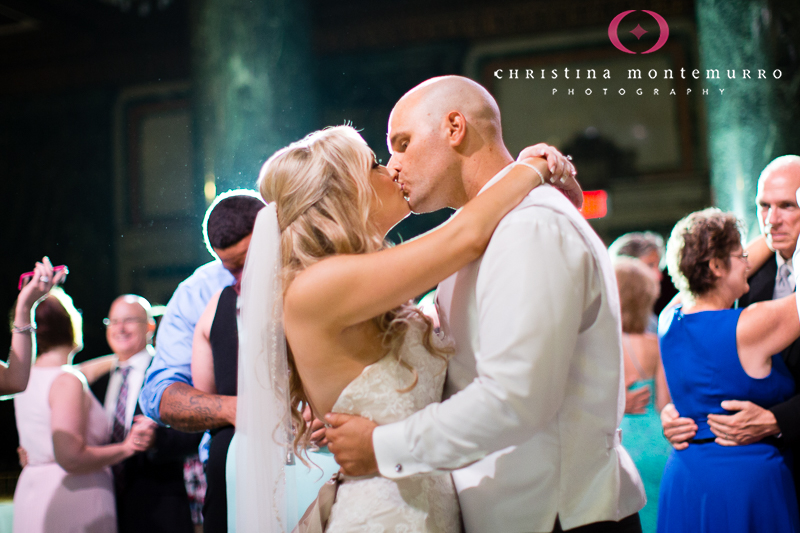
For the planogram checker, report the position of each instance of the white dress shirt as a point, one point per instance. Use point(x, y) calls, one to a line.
point(138, 364)
point(535, 388)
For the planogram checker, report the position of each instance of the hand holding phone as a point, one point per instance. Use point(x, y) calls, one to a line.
point(26, 277)
point(36, 284)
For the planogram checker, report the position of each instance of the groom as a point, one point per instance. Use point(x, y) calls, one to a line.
point(534, 391)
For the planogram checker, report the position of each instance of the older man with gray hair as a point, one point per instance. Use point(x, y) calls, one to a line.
point(646, 246)
point(149, 486)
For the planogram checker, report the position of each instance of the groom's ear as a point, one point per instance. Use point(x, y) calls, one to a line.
point(456, 128)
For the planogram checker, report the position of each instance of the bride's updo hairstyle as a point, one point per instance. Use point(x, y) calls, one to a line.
point(322, 193)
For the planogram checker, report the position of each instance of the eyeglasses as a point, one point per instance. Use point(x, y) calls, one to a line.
point(123, 321)
point(743, 256)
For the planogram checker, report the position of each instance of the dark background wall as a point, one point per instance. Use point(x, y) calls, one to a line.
point(77, 75)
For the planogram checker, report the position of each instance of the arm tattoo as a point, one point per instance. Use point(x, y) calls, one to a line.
point(187, 409)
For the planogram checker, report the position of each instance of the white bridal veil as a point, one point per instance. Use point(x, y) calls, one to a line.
point(263, 420)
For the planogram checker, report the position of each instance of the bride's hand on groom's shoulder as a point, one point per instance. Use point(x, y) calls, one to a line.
point(562, 171)
point(350, 442)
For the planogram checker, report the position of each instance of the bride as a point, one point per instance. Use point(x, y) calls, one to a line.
point(319, 270)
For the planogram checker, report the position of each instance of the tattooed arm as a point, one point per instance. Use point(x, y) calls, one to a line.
point(173, 359)
point(199, 408)
point(185, 408)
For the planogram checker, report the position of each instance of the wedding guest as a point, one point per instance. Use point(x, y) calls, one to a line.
point(67, 483)
point(779, 222)
point(14, 375)
point(149, 487)
point(648, 247)
point(641, 433)
point(216, 342)
point(712, 353)
point(169, 395)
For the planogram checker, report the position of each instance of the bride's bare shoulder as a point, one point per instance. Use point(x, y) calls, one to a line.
point(310, 289)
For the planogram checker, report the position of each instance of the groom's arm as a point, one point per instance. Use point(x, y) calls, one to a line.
point(531, 294)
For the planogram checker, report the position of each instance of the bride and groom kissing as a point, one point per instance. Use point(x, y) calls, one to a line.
point(526, 436)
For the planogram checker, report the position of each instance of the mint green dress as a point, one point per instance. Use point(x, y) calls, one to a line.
point(305, 484)
point(643, 438)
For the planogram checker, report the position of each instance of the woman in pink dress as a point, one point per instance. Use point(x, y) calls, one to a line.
point(66, 485)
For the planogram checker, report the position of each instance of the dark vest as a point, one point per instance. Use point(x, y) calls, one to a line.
point(224, 340)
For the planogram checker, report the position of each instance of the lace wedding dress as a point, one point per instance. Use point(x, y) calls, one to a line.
point(375, 504)
point(264, 484)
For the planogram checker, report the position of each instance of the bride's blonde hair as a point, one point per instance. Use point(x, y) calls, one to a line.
point(322, 193)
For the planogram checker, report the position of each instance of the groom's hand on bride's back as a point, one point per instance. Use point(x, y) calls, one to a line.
point(350, 442)
point(317, 428)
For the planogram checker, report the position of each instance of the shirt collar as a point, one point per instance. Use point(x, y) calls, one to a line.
point(505, 170)
point(781, 261)
point(139, 361)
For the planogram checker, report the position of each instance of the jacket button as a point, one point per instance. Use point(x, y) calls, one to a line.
point(398, 468)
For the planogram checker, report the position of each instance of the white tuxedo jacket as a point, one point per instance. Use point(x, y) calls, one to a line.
point(535, 388)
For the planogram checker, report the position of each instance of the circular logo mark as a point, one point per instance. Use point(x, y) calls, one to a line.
point(614, 26)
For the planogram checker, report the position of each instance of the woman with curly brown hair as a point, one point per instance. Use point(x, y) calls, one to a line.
point(712, 353)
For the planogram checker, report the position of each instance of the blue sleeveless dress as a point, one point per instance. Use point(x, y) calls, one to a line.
point(707, 487)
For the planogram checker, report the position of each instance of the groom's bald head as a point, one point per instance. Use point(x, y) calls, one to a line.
point(433, 99)
point(432, 128)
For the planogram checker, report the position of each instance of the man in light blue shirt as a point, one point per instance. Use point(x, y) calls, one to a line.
point(173, 360)
point(168, 396)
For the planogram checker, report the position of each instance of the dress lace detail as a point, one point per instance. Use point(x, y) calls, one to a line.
point(416, 504)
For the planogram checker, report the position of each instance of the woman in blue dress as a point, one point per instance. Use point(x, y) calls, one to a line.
point(713, 353)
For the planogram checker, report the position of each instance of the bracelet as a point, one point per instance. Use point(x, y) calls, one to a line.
point(30, 328)
point(541, 177)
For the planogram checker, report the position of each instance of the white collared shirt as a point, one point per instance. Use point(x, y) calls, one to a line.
point(138, 363)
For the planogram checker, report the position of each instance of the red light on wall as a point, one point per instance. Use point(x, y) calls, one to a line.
point(595, 204)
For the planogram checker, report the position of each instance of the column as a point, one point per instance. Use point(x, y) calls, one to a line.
point(253, 92)
point(751, 123)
